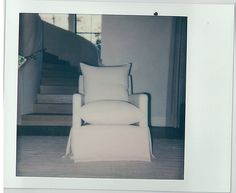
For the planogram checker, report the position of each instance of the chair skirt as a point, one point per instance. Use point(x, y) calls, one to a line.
point(110, 143)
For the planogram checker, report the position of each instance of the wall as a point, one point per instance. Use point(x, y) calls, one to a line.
point(146, 43)
point(30, 41)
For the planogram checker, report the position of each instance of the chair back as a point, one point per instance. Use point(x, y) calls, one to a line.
point(81, 85)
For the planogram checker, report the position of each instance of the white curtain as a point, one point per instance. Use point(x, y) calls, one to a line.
point(177, 75)
point(30, 34)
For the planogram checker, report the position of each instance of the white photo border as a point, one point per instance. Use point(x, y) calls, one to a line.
point(207, 147)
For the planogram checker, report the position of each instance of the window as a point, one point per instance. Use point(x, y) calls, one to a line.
point(89, 27)
point(59, 20)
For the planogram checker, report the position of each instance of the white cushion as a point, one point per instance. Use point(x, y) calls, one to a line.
point(105, 83)
point(111, 112)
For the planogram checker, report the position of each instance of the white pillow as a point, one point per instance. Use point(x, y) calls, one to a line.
point(111, 112)
point(105, 83)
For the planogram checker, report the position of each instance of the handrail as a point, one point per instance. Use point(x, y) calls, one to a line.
point(69, 46)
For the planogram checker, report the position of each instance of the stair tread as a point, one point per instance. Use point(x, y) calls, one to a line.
point(57, 81)
point(53, 71)
point(60, 73)
point(52, 83)
point(54, 98)
point(61, 95)
point(56, 86)
point(60, 78)
point(59, 68)
point(55, 63)
point(52, 108)
point(49, 114)
point(58, 89)
point(41, 115)
point(53, 104)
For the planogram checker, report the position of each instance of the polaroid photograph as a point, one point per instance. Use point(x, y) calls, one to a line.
point(106, 98)
point(134, 130)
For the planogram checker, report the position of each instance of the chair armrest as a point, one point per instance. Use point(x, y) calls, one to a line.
point(77, 102)
point(140, 101)
point(76, 105)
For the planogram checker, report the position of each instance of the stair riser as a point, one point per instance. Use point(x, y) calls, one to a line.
point(57, 90)
point(59, 66)
point(57, 63)
point(52, 82)
point(54, 98)
point(53, 70)
point(53, 108)
point(66, 76)
point(56, 67)
point(67, 79)
point(47, 57)
point(52, 73)
point(46, 123)
point(41, 120)
point(47, 69)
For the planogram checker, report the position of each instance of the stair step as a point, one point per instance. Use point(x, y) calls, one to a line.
point(59, 82)
point(44, 98)
point(53, 108)
point(58, 89)
point(52, 73)
point(59, 67)
point(59, 70)
point(43, 130)
point(47, 120)
point(56, 65)
point(50, 57)
point(62, 75)
point(67, 79)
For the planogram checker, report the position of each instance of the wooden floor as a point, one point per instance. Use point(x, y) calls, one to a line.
point(42, 156)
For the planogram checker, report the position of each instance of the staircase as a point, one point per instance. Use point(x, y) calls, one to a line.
point(53, 107)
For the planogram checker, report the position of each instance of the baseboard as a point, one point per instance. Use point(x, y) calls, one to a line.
point(167, 132)
point(43, 130)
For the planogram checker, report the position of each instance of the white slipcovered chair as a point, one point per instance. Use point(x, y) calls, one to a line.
point(93, 138)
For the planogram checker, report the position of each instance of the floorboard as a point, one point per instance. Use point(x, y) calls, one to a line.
point(42, 156)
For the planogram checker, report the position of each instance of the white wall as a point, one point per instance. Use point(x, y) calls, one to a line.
point(145, 42)
point(30, 41)
point(28, 86)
